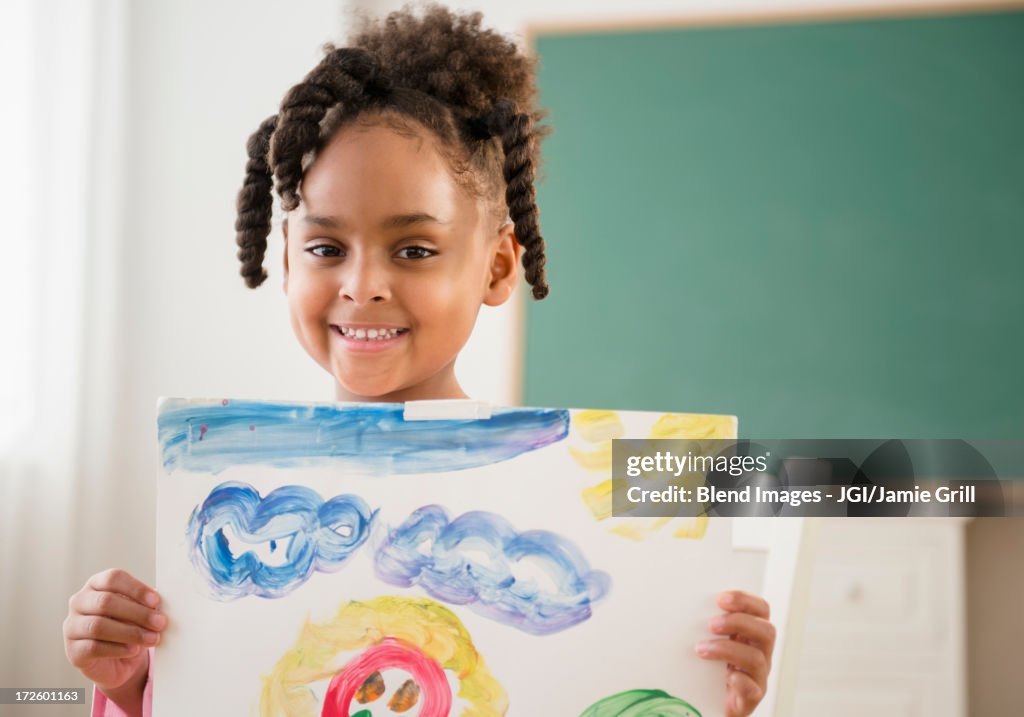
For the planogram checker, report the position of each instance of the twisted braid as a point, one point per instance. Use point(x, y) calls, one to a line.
point(346, 75)
point(255, 206)
point(516, 132)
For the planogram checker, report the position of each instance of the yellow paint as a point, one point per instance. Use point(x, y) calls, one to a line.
point(600, 427)
point(597, 427)
point(694, 425)
point(428, 625)
point(599, 459)
point(691, 527)
point(639, 528)
point(599, 499)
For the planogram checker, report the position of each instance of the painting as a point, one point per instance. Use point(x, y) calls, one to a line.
point(345, 560)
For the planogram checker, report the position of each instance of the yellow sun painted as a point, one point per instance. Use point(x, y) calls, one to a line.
point(599, 499)
point(639, 528)
point(694, 426)
point(322, 649)
point(599, 428)
point(691, 527)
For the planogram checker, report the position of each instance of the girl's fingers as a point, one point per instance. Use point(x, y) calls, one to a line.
point(118, 607)
point(120, 581)
point(745, 658)
point(755, 631)
point(81, 652)
point(739, 601)
point(102, 629)
point(742, 694)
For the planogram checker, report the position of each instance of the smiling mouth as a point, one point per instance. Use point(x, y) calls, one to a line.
point(368, 334)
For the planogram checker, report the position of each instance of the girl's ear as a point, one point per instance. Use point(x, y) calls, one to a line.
point(284, 228)
point(504, 271)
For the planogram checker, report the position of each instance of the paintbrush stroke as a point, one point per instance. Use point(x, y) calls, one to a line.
point(210, 437)
point(641, 703)
point(423, 630)
point(443, 557)
point(320, 537)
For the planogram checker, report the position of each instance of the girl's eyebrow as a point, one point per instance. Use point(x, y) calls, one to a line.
point(396, 221)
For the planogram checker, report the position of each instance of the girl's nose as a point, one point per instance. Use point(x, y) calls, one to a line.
point(365, 282)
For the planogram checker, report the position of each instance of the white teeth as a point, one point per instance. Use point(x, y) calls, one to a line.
point(370, 334)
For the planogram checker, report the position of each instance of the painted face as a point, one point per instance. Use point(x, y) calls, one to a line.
point(387, 263)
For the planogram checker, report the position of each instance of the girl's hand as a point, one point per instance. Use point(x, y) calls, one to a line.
point(747, 649)
point(111, 622)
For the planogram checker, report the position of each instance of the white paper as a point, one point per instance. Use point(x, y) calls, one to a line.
point(216, 654)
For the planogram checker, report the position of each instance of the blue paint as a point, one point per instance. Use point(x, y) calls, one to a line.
point(320, 536)
point(212, 436)
point(441, 556)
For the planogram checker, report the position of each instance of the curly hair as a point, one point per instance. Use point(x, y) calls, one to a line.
point(469, 86)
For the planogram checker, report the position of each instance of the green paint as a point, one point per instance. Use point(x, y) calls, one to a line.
point(363, 713)
point(641, 703)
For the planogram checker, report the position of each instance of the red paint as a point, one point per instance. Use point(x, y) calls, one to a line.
point(252, 428)
point(224, 402)
point(202, 431)
point(390, 653)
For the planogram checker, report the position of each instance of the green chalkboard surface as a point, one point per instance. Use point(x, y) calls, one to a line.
point(818, 226)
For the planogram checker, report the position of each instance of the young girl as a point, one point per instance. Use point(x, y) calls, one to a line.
point(405, 163)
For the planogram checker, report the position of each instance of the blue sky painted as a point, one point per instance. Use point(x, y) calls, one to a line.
point(212, 436)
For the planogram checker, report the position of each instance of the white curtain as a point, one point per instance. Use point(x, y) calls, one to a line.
point(62, 90)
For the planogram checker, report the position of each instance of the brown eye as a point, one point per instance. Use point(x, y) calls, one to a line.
point(415, 252)
point(325, 251)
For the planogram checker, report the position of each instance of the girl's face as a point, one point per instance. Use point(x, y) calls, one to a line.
point(387, 262)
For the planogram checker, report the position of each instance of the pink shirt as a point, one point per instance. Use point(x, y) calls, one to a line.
point(102, 707)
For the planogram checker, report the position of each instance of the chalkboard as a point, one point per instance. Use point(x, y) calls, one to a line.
point(817, 226)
